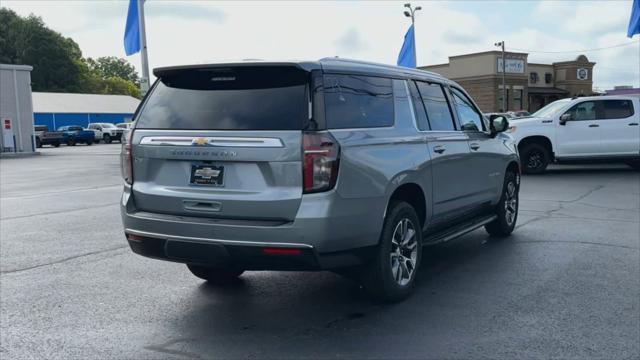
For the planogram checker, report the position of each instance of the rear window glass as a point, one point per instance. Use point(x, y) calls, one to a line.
point(256, 98)
point(437, 107)
point(358, 101)
point(617, 109)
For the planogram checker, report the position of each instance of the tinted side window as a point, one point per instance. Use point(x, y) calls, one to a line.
point(401, 104)
point(435, 102)
point(418, 107)
point(358, 101)
point(583, 111)
point(469, 118)
point(617, 109)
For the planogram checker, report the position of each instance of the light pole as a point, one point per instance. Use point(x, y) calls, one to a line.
point(412, 14)
point(504, 88)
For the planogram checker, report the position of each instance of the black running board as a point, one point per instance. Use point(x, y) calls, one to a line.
point(457, 230)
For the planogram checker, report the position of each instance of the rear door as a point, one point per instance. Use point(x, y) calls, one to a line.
point(619, 130)
point(223, 143)
point(449, 152)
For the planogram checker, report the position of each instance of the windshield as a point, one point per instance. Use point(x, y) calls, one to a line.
point(107, 125)
point(551, 109)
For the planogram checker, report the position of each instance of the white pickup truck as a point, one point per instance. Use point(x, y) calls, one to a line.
point(586, 129)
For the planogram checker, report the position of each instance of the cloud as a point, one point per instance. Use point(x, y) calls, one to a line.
point(586, 17)
point(181, 9)
point(459, 37)
point(351, 42)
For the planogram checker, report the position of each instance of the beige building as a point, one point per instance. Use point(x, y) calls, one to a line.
point(529, 86)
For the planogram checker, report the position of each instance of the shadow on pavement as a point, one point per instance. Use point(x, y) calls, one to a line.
point(266, 310)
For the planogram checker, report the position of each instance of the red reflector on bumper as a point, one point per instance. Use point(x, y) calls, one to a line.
point(281, 251)
point(132, 237)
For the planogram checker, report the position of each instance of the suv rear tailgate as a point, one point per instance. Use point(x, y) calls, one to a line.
point(222, 142)
point(261, 173)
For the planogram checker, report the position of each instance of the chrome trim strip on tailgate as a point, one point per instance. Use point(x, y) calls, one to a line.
point(220, 141)
point(216, 241)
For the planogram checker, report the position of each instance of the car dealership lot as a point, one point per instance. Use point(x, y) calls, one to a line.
point(565, 285)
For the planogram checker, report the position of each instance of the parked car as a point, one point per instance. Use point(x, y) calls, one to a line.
point(46, 137)
point(97, 133)
point(518, 113)
point(506, 115)
point(585, 129)
point(335, 164)
point(72, 135)
point(125, 125)
point(109, 132)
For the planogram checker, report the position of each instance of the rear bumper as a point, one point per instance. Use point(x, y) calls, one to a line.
point(220, 254)
point(326, 233)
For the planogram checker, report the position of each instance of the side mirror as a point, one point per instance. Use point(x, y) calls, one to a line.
point(498, 124)
point(564, 118)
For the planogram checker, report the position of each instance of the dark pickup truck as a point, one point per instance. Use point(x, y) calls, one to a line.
point(46, 137)
point(73, 135)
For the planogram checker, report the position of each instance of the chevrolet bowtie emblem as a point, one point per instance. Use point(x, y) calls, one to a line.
point(199, 141)
point(207, 173)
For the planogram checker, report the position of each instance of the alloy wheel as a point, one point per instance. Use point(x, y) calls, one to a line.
point(534, 160)
point(510, 203)
point(404, 252)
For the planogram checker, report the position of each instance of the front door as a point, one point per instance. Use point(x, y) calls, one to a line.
point(580, 134)
point(484, 165)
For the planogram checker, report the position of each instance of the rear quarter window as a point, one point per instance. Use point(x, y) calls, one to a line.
point(353, 101)
point(617, 109)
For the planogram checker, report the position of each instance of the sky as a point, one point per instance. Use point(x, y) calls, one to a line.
point(191, 32)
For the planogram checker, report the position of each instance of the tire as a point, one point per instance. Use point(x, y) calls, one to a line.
point(56, 144)
point(216, 276)
point(507, 208)
point(534, 158)
point(385, 278)
point(38, 143)
point(71, 143)
point(89, 143)
point(107, 138)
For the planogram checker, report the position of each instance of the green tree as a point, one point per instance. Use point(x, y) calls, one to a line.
point(58, 65)
point(111, 66)
point(56, 60)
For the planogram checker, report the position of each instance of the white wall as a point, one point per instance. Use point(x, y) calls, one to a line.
point(16, 105)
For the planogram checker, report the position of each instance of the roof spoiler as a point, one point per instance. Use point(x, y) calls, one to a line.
point(164, 71)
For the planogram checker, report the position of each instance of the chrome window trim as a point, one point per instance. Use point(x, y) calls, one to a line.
point(216, 141)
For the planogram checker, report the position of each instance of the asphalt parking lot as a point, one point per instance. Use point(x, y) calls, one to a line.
point(565, 285)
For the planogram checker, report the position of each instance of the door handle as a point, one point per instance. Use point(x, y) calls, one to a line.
point(439, 149)
point(594, 125)
point(633, 124)
point(474, 146)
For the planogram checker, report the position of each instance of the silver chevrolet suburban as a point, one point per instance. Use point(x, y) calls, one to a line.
point(333, 164)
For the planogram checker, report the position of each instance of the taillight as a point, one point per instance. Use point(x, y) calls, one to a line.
point(320, 164)
point(126, 158)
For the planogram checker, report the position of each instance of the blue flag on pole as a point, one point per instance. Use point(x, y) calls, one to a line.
point(634, 20)
point(406, 57)
point(132, 30)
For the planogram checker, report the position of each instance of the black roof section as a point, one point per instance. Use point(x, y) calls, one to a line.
point(329, 64)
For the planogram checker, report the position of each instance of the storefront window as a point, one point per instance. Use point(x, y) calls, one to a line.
point(500, 95)
point(517, 99)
